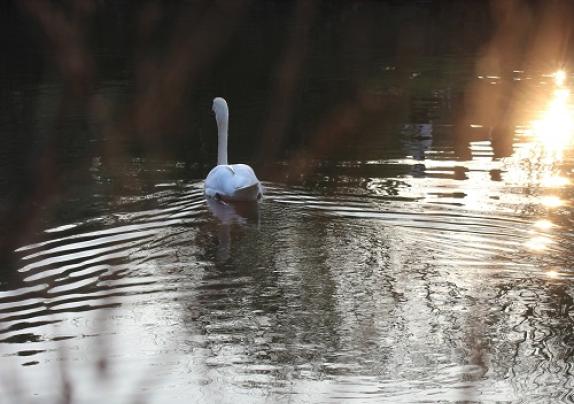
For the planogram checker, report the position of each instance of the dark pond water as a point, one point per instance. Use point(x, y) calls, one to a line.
point(415, 239)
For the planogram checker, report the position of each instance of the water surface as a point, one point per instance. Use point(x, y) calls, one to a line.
point(412, 246)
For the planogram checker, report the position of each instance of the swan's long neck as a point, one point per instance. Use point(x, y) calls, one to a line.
point(222, 123)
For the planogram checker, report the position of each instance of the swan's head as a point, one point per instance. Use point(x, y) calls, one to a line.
point(220, 109)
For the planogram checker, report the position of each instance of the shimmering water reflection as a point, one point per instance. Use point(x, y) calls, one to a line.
point(419, 276)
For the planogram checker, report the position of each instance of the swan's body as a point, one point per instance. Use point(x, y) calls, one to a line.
point(229, 182)
point(235, 182)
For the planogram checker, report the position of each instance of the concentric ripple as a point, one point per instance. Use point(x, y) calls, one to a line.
point(412, 286)
point(373, 290)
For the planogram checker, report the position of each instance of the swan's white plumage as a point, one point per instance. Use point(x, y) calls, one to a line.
point(235, 182)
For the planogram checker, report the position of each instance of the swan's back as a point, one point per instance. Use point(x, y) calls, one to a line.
point(233, 182)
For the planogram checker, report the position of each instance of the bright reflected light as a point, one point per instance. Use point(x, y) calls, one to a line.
point(555, 128)
point(538, 243)
point(555, 181)
point(551, 201)
point(544, 224)
point(559, 78)
point(552, 274)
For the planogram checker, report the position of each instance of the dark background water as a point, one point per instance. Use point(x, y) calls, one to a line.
point(105, 121)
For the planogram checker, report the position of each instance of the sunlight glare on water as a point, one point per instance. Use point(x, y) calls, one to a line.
point(555, 127)
point(544, 224)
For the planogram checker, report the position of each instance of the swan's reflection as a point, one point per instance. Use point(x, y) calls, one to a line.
point(228, 214)
point(417, 140)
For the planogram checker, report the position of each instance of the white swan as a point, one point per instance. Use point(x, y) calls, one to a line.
point(235, 182)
